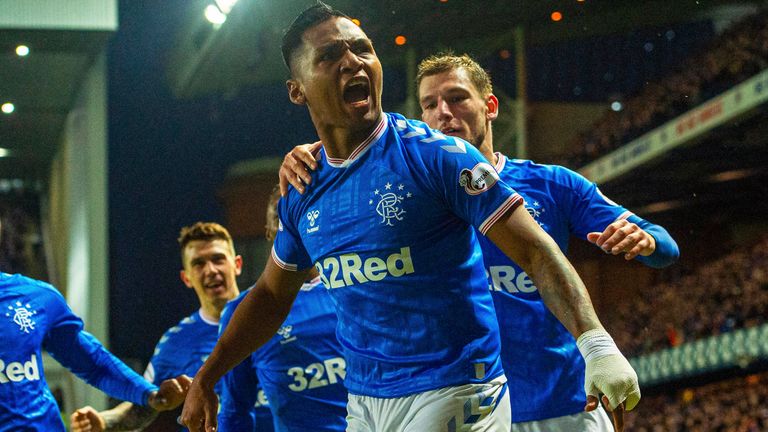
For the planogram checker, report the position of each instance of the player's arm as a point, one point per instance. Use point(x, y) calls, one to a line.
point(635, 237)
point(86, 357)
point(608, 372)
point(609, 226)
point(124, 417)
point(254, 322)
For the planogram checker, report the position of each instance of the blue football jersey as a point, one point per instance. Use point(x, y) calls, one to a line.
point(35, 316)
point(183, 349)
point(390, 229)
point(540, 357)
point(301, 370)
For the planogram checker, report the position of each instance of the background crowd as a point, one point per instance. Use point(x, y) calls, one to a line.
point(737, 54)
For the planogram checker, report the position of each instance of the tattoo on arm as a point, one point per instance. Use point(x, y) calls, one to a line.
point(128, 417)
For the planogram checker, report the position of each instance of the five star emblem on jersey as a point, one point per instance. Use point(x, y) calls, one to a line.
point(389, 203)
point(479, 179)
point(22, 316)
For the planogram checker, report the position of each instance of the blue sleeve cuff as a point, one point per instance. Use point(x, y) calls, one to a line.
point(666, 252)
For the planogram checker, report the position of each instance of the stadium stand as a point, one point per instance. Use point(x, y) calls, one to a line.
point(733, 405)
point(737, 54)
point(727, 294)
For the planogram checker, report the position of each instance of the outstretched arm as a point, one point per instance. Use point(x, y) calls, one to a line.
point(635, 237)
point(561, 289)
point(128, 416)
point(254, 322)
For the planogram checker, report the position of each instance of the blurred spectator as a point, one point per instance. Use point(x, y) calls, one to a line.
point(21, 240)
point(735, 405)
point(729, 293)
point(736, 55)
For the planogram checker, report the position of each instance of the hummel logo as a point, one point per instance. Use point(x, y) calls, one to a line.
point(312, 216)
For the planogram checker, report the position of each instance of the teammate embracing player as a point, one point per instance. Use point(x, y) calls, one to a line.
point(540, 359)
point(391, 229)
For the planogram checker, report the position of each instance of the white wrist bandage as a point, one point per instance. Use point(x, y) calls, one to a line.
point(596, 343)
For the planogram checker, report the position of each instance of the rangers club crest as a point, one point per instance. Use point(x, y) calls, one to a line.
point(22, 314)
point(389, 203)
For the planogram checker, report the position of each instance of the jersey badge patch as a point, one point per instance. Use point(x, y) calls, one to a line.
point(479, 179)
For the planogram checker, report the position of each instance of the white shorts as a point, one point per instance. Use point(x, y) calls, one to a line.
point(593, 421)
point(465, 408)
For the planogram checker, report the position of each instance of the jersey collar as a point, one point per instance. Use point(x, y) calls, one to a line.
point(361, 149)
point(501, 160)
point(208, 319)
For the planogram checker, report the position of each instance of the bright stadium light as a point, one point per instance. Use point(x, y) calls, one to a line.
point(22, 50)
point(8, 107)
point(616, 106)
point(214, 15)
point(225, 6)
point(4, 152)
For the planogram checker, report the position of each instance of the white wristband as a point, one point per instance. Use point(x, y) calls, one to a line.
point(596, 343)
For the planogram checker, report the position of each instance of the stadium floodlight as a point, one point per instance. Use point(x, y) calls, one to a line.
point(225, 6)
point(8, 107)
point(22, 50)
point(616, 106)
point(4, 152)
point(214, 15)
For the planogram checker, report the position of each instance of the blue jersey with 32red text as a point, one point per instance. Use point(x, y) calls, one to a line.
point(390, 229)
point(301, 370)
point(540, 357)
point(35, 316)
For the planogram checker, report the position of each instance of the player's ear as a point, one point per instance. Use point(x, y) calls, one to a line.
point(238, 265)
point(295, 93)
point(185, 279)
point(491, 107)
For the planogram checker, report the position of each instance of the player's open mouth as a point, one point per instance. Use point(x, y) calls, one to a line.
point(357, 91)
point(450, 131)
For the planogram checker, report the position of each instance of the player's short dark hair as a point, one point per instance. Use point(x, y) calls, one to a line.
point(447, 61)
point(205, 231)
point(307, 19)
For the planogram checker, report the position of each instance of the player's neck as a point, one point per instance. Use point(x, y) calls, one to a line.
point(211, 313)
point(486, 147)
point(340, 142)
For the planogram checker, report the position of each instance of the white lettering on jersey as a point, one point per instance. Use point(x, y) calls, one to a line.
point(479, 179)
point(335, 368)
point(506, 278)
point(18, 371)
point(350, 269)
point(261, 399)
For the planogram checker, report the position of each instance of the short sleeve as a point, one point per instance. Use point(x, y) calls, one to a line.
point(288, 250)
point(471, 185)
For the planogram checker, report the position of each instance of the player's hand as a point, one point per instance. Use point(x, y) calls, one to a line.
point(171, 394)
point(623, 236)
point(296, 166)
point(86, 419)
point(608, 373)
point(200, 408)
